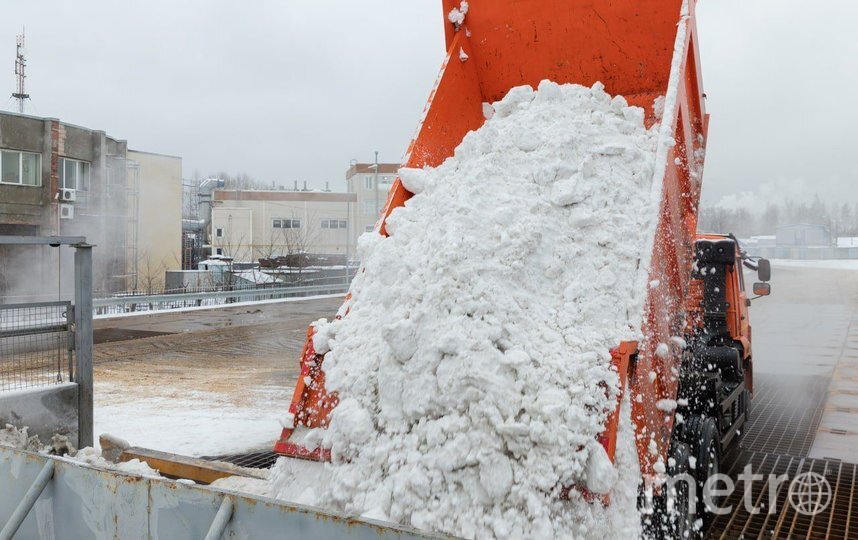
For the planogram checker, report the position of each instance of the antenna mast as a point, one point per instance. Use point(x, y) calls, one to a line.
point(20, 66)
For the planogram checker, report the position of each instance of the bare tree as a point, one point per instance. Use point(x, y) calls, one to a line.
point(150, 274)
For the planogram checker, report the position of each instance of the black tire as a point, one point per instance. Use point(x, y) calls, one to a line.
point(681, 515)
point(704, 441)
point(673, 515)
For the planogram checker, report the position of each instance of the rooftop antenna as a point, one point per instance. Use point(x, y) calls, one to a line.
point(20, 66)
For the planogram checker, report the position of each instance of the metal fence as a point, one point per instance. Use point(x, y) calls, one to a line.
point(132, 302)
point(36, 344)
point(43, 343)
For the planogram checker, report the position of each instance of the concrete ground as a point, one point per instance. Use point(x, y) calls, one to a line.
point(202, 382)
point(809, 326)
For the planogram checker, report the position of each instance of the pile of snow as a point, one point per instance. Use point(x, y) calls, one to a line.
point(92, 456)
point(473, 363)
point(19, 439)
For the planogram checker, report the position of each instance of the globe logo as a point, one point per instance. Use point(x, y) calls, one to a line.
point(809, 493)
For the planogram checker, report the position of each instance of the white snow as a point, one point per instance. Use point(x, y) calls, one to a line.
point(457, 15)
point(473, 363)
point(194, 424)
point(666, 405)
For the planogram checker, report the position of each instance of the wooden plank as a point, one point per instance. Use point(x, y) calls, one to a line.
point(177, 466)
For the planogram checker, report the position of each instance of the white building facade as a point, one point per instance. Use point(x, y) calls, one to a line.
point(248, 225)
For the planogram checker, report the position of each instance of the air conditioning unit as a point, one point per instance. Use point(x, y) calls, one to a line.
point(66, 211)
point(68, 195)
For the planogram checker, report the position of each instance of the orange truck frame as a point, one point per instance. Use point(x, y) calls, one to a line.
point(646, 51)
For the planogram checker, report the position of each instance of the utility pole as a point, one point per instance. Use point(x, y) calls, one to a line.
point(20, 67)
point(377, 209)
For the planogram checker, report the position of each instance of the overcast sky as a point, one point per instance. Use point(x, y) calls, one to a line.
point(289, 91)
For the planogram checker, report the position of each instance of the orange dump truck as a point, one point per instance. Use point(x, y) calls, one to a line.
point(694, 361)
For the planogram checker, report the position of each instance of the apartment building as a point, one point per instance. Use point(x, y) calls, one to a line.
point(61, 179)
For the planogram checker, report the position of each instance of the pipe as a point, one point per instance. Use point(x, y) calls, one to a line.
point(26, 504)
point(221, 520)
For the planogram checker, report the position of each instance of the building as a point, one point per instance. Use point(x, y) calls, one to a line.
point(804, 235)
point(249, 225)
point(62, 179)
point(370, 189)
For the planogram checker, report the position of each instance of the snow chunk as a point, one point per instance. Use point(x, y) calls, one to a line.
point(601, 474)
point(666, 405)
point(457, 15)
point(322, 336)
point(414, 180)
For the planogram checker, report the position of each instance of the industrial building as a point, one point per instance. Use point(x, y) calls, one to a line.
point(804, 235)
point(248, 225)
point(62, 179)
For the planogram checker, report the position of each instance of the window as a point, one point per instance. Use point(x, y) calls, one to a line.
point(22, 168)
point(219, 251)
point(369, 182)
point(219, 232)
point(74, 174)
point(335, 224)
point(287, 223)
point(369, 228)
point(385, 180)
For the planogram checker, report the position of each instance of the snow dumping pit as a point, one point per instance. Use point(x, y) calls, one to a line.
point(472, 363)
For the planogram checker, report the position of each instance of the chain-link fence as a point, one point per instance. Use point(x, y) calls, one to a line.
point(36, 344)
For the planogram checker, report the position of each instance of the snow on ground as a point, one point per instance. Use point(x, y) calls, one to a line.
point(473, 363)
point(195, 423)
point(831, 264)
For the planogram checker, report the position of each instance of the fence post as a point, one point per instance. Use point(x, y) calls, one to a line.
point(83, 341)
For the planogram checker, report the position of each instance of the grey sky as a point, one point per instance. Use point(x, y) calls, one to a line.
point(291, 91)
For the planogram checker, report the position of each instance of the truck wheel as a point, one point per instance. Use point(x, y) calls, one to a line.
point(701, 435)
point(673, 514)
point(681, 515)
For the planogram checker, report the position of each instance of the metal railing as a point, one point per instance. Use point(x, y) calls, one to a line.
point(161, 302)
point(36, 344)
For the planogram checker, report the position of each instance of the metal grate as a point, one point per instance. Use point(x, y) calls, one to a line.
point(785, 413)
point(785, 418)
point(253, 460)
point(36, 346)
point(777, 517)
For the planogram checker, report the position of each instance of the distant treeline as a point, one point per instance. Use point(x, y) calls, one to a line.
point(840, 218)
